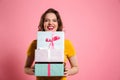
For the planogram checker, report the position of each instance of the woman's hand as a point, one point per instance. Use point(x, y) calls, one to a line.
point(67, 72)
point(74, 67)
point(70, 71)
point(29, 71)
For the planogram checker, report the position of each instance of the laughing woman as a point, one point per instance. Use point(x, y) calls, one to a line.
point(51, 21)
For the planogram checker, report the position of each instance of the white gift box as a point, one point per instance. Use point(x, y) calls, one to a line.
point(49, 55)
point(47, 39)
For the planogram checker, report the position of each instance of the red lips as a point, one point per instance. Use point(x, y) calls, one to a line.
point(50, 27)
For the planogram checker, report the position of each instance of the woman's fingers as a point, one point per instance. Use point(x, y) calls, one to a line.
point(66, 73)
point(29, 71)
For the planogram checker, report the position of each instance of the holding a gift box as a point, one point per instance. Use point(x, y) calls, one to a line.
point(50, 66)
point(49, 55)
point(50, 45)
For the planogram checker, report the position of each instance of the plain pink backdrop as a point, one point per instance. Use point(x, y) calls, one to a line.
point(93, 26)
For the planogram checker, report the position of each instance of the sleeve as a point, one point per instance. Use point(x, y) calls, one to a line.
point(31, 48)
point(69, 48)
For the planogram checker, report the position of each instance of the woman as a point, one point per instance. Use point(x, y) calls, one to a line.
point(51, 21)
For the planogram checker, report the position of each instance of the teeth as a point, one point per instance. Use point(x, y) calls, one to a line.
point(50, 27)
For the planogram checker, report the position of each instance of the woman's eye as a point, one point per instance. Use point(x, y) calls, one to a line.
point(54, 20)
point(46, 20)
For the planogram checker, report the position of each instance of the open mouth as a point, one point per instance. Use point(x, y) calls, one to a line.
point(50, 27)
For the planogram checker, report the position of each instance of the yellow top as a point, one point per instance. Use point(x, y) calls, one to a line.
point(68, 52)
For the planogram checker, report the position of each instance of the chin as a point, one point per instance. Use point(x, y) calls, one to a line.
point(51, 30)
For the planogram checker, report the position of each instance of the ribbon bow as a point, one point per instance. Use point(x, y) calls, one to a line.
point(54, 38)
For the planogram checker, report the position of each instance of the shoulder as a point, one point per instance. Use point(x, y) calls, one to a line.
point(32, 47)
point(67, 42)
point(33, 43)
point(69, 48)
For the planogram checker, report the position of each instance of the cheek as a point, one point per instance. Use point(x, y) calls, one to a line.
point(45, 24)
point(56, 24)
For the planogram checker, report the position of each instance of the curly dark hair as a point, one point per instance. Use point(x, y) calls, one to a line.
point(50, 10)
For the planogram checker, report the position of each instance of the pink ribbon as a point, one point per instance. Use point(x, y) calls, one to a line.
point(48, 69)
point(54, 38)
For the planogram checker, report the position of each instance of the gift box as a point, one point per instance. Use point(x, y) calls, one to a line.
point(47, 39)
point(49, 55)
point(49, 69)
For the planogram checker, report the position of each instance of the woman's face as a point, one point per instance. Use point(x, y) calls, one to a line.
point(50, 22)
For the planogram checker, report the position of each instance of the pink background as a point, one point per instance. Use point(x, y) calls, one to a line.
point(93, 26)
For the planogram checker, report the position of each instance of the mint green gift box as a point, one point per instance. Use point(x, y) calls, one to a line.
point(49, 69)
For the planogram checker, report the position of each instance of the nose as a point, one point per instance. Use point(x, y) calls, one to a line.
point(50, 22)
